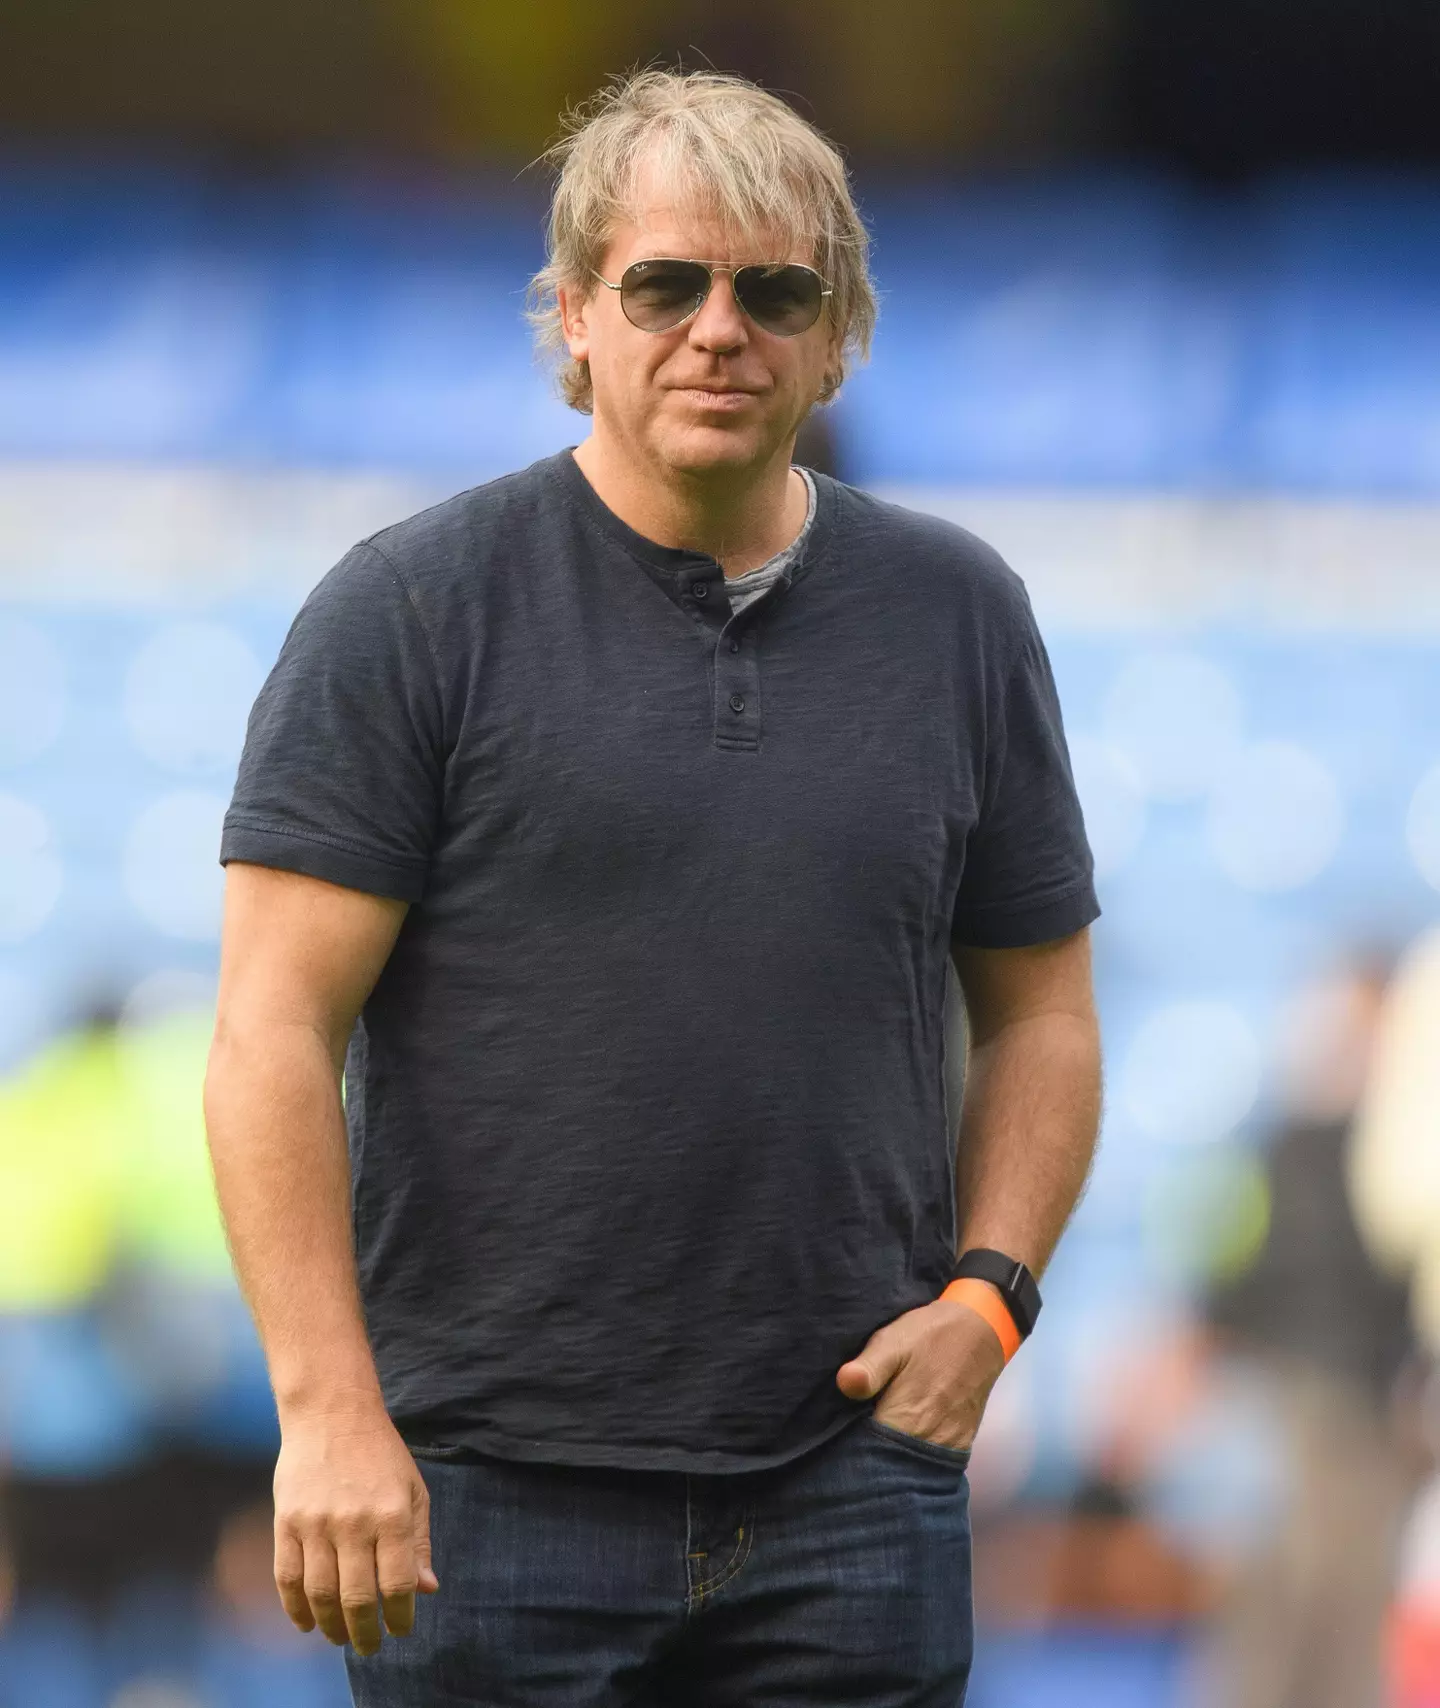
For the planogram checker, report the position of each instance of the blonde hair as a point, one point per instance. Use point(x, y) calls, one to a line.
point(728, 149)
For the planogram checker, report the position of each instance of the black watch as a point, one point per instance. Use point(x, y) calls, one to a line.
point(1016, 1283)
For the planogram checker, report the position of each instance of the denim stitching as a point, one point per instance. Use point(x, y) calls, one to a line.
point(438, 1452)
point(939, 1451)
point(736, 1561)
point(689, 1587)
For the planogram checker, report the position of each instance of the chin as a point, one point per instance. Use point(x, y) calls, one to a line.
point(701, 447)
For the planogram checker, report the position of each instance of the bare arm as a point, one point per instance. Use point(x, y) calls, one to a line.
point(1027, 1135)
point(298, 958)
point(1031, 1110)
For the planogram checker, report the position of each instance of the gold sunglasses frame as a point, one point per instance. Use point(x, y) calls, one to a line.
point(712, 269)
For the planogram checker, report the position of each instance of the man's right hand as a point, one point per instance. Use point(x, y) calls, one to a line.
point(352, 1527)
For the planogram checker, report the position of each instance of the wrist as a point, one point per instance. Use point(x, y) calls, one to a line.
point(1010, 1276)
point(307, 1397)
point(988, 1303)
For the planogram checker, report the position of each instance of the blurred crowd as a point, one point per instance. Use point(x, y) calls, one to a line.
point(137, 1433)
point(1263, 1468)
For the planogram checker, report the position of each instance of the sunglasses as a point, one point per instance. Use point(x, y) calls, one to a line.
point(659, 295)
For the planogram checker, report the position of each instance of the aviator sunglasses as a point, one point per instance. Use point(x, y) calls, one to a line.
point(659, 295)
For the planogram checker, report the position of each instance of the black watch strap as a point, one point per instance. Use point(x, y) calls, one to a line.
point(1016, 1283)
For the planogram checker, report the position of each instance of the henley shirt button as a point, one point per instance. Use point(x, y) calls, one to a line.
point(737, 702)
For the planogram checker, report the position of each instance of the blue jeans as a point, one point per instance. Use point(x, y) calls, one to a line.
point(842, 1577)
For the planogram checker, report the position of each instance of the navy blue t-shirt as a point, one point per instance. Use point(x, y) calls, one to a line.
point(646, 1110)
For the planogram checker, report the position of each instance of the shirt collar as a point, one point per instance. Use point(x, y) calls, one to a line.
point(675, 560)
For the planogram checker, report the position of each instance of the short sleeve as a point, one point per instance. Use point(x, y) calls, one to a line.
point(341, 773)
point(1028, 875)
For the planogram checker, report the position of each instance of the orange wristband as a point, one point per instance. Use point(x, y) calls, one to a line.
point(981, 1297)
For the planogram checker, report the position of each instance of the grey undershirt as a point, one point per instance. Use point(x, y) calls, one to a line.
point(742, 589)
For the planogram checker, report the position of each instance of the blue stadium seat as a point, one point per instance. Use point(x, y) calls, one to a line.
point(1079, 1669)
point(50, 1658)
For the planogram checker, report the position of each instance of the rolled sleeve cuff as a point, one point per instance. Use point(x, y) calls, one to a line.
point(318, 857)
point(1018, 925)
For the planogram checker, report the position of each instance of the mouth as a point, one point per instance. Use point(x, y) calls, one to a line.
point(717, 397)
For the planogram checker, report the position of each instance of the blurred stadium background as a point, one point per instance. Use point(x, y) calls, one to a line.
point(1161, 319)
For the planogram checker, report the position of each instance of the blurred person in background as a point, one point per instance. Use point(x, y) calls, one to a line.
point(1329, 1332)
point(134, 1411)
point(1312, 1338)
point(74, 1438)
point(1394, 1173)
point(610, 827)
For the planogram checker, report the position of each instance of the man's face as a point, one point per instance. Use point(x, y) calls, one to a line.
point(718, 393)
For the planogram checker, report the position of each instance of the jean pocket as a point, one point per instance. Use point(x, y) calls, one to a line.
point(956, 1457)
point(436, 1450)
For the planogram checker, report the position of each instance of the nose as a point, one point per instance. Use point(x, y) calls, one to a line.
point(720, 326)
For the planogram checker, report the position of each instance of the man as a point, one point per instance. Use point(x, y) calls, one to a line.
point(611, 824)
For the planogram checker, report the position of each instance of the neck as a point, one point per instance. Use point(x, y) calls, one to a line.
point(740, 517)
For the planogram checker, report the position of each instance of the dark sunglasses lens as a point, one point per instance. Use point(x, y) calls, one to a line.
point(656, 295)
point(784, 300)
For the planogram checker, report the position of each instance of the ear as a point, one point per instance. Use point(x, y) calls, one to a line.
point(574, 321)
point(834, 366)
